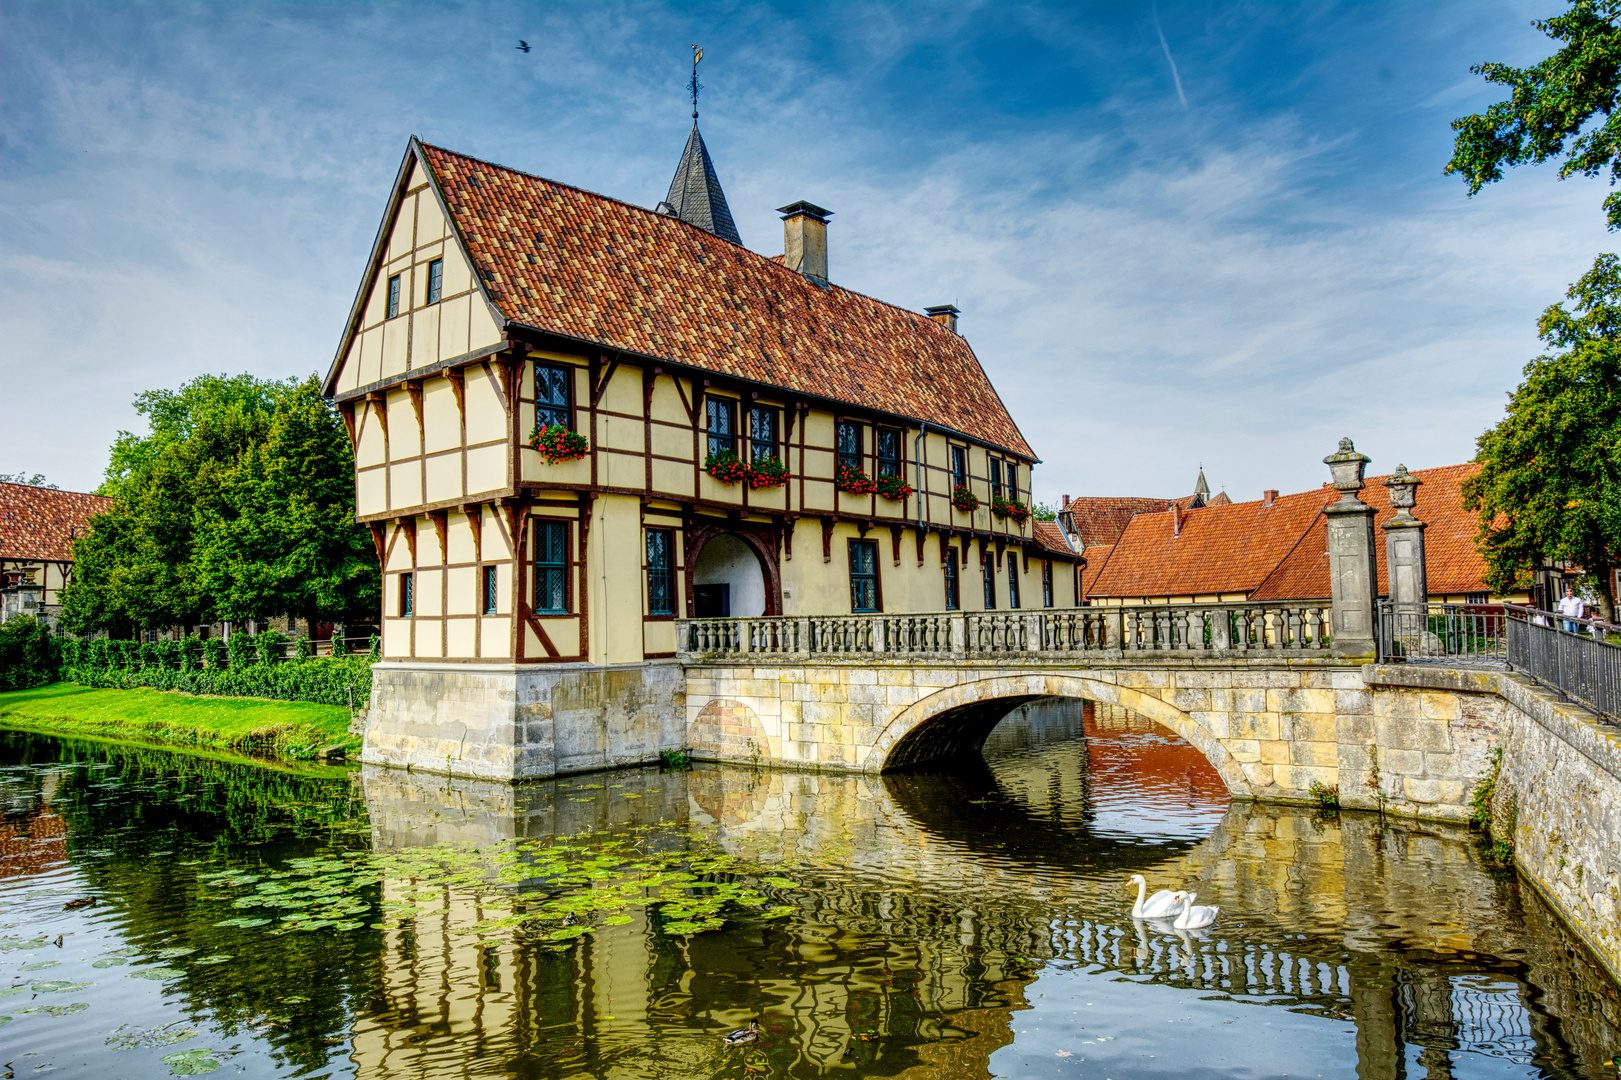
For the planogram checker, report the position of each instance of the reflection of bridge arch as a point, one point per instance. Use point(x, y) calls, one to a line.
point(955, 721)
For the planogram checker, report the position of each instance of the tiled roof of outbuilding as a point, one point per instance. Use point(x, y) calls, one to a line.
point(567, 261)
point(1050, 536)
point(38, 523)
point(1101, 519)
point(1280, 552)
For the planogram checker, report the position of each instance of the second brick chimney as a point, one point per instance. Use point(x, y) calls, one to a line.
point(804, 239)
point(1269, 496)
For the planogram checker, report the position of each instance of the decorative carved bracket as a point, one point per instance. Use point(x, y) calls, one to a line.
point(895, 532)
point(827, 538)
point(475, 521)
point(379, 403)
point(408, 526)
point(458, 386)
point(413, 387)
point(441, 524)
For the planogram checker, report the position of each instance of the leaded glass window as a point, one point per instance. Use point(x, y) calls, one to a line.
point(722, 416)
point(552, 398)
point(393, 296)
point(953, 598)
point(990, 583)
point(436, 280)
point(849, 438)
point(889, 452)
point(660, 572)
point(551, 567)
point(863, 575)
point(762, 433)
point(489, 591)
point(959, 466)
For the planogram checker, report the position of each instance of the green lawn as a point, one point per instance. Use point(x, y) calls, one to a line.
point(294, 728)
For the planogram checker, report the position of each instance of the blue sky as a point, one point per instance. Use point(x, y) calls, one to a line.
point(1200, 232)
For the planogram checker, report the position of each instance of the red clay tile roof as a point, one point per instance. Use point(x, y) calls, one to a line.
point(1220, 498)
point(1096, 556)
point(1101, 519)
point(559, 259)
point(1049, 535)
point(1280, 552)
point(38, 523)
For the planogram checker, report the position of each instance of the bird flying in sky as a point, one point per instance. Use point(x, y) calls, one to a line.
point(522, 45)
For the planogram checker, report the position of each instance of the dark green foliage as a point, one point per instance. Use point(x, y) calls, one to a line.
point(674, 759)
point(1549, 487)
point(238, 505)
point(1552, 106)
point(168, 665)
point(28, 654)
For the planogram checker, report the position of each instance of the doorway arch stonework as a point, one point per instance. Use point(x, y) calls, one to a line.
point(762, 542)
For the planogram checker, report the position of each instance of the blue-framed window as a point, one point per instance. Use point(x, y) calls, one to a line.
point(987, 566)
point(1012, 580)
point(407, 596)
point(959, 466)
point(436, 280)
point(762, 433)
point(864, 575)
point(953, 588)
point(551, 567)
point(393, 296)
point(553, 398)
point(660, 572)
point(849, 444)
point(489, 590)
point(721, 416)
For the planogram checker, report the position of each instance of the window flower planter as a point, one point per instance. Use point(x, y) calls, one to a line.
point(558, 443)
point(853, 481)
point(767, 473)
point(1005, 508)
point(894, 487)
point(964, 500)
point(726, 468)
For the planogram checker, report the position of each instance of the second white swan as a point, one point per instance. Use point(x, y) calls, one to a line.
point(1193, 918)
point(1162, 905)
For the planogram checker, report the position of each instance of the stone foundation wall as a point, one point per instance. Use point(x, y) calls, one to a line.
point(505, 723)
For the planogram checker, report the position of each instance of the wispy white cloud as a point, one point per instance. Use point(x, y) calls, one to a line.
point(1165, 46)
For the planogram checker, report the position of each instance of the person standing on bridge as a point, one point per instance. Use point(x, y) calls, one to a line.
point(1571, 608)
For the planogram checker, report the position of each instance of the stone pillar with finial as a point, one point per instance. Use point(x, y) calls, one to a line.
point(1404, 544)
point(1353, 578)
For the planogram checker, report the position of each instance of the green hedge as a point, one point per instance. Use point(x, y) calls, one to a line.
point(246, 667)
point(28, 654)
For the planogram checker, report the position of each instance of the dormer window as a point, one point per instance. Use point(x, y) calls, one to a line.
point(436, 280)
point(393, 296)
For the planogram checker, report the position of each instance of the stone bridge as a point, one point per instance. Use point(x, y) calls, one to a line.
point(1254, 687)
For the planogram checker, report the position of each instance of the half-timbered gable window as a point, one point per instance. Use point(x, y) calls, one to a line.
point(660, 572)
point(436, 280)
point(1047, 583)
point(554, 399)
point(863, 575)
point(889, 452)
point(1012, 479)
point(953, 596)
point(996, 477)
point(989, 570)
point(489, 592)
point(1012, 580)
point(551, 567)
point(959, 466)
point(407, 596)
point(721, 414)
point(762, 433)
point(393, 296)
point(849, 437)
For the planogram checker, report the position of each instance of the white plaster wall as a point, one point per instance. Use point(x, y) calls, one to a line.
point(728, 560)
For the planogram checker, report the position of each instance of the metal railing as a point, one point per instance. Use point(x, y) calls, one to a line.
point(1470, 634)
point(1572, 657)
point(1194, 629)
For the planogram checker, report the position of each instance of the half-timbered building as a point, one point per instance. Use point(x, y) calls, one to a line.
point(577, 420)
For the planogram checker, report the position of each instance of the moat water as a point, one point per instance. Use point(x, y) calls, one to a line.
point(380, 924)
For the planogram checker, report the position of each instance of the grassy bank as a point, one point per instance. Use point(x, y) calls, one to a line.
point(293, 728)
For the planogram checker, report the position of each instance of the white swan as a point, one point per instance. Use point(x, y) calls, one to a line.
point(1192, 918)
point(1162, 905)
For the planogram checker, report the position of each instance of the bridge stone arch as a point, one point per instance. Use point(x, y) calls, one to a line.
point(957, 719)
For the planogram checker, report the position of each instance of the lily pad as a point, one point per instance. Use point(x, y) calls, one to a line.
point(172, 954)
point(9, 943)
point(216, 958)
point(56, 1010)
point(8, 991)
point(109, 961)
point(157, 974)
point(40, 966)
point(129, 1037)
point(4, 1020)
point(59, 986)
point(192, 1062)
point(245, 923)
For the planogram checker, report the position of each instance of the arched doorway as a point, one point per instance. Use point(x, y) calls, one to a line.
point(732, 576)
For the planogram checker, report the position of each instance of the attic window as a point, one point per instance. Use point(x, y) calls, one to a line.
point(393, 296)
point(436, 280)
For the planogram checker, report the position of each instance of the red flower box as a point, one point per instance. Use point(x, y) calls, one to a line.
point(558, 443)
point(964, 500)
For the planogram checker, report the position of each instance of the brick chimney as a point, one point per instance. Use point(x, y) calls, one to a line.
point(946, 316)
point(804, 239)
point(1269, 496)
point(1176, 520)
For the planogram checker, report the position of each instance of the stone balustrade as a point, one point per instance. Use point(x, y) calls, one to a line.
point(1209, 630)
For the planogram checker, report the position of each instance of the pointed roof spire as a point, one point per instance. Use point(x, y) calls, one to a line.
point(695, 195)
point(1201, 488)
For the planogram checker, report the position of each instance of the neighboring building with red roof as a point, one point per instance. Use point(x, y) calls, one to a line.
point(37, 528)
point(721, 420)
point(1089, 521)
point(1276, 548)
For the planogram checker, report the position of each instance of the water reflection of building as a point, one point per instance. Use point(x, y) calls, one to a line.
point(908, 926)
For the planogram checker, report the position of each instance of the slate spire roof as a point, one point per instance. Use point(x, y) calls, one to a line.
point(695, 195)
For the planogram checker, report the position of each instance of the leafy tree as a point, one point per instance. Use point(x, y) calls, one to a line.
point(1044, 512)
point(36, 480)
point(238, 504)
point(1552, 106)
point(1549, 486)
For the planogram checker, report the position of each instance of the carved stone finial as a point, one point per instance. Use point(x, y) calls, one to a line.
point(1403, 487)
point(1346, 446)
point(1347, 467)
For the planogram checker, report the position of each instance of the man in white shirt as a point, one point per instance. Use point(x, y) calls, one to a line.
point(1571, 608)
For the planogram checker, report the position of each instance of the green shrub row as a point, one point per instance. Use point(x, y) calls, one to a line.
point(245, 667)
point(28, 654)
